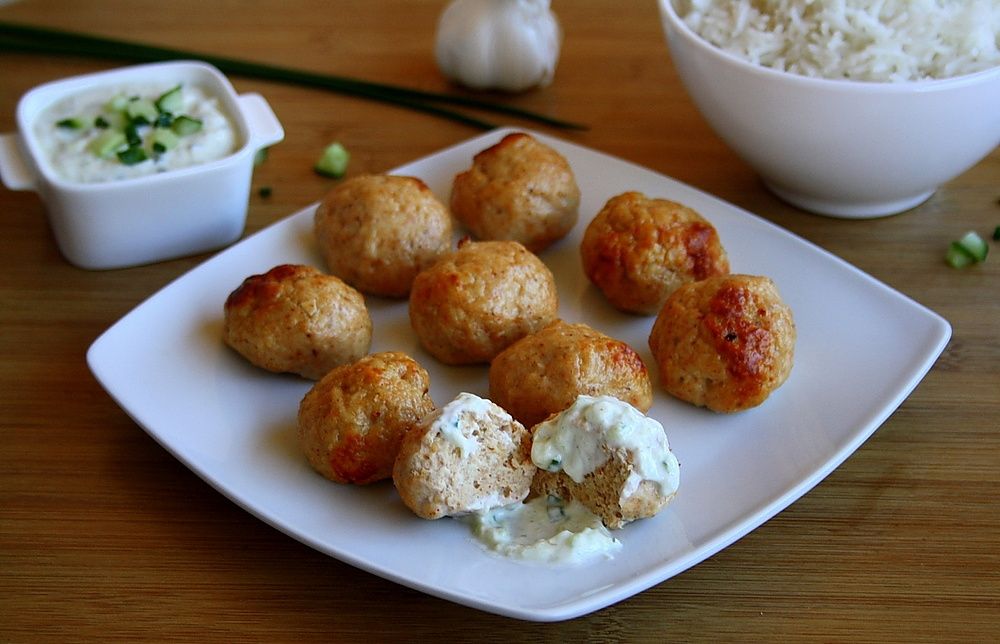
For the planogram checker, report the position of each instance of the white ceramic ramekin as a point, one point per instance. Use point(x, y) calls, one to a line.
point(151, 218)
point(836, 147)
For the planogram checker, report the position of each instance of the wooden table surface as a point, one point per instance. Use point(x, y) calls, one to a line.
point(104, 535)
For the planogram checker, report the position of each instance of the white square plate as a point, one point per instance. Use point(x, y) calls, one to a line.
point(862, 347)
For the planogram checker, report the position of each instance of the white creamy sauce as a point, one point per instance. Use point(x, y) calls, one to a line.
point(577, 441)
point(545, 530)
point(456, 420)
point(67, 150)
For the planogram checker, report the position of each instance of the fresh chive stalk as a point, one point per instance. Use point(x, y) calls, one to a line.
point(15, 37)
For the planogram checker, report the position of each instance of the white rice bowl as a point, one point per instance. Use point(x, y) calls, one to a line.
point(861, 40)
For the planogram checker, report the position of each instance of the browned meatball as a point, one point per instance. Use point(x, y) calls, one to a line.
point(376, 232)
point(469, 456)
point(545, 372)
point(519, 189)
point(480, 299)
point(638, 250)
point(296, 319)
point(724, 343)
point(351, 423)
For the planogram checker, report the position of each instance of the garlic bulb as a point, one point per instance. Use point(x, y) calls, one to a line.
point(509, 45)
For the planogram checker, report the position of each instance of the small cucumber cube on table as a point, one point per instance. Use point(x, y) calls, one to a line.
point(334, 161)
point(970, 249)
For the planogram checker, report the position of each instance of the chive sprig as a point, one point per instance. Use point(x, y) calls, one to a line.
point(43, 40)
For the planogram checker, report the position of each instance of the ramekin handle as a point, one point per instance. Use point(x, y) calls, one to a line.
point(15, 171)
point(265, 129)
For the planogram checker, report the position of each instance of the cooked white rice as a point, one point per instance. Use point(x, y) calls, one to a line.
point(869, 40)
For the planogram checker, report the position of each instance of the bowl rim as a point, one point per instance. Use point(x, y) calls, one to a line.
point(67, 86)
point(669, 13)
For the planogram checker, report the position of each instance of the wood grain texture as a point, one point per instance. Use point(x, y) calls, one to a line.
point(104, 536)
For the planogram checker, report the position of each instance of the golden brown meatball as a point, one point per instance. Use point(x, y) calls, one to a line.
point(724, 343)
point(545, 372)
point(469, 456)
point(480, 299)
point(351, 423)
point(518, 189)
point(639, 250)
point(376, 232)
point(296, 319)
point(607, 455)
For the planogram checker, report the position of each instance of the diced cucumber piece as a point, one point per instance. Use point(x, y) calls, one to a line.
point(164, 140)
point(118, 103)
point(974, 245)
point(170, 101)
point(107, 143)
point(185, 125)
point(141, 110)
point(957, 257)
point(334, 161)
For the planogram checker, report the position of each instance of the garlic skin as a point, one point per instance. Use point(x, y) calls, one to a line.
point(509, 45)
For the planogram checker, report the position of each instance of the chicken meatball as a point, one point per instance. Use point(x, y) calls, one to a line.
point(724, 343)
point(544, 373)
point(376, 232)
point(638, 250)
point(296, 319)
point(352, 422)
point(469, 456)
point(607, 455)
point(519, 189)
point(480, 299)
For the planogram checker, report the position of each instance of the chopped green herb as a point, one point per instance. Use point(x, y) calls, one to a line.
point(132, 155)
point(334, 161)
point(71, 123)
point(132, 134)
point(165, 119)
point(101, 123)
point(996, 234)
